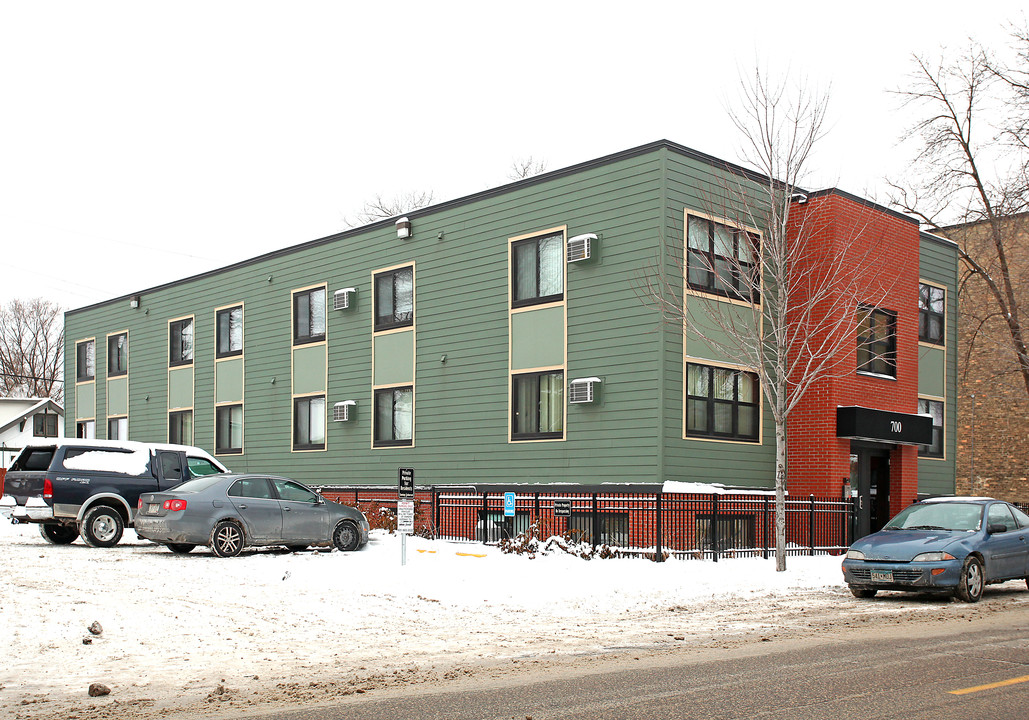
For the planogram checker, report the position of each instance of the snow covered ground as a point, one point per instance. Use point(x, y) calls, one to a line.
point(188, 632)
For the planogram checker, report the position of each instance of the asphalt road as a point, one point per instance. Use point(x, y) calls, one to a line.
point(939, 672)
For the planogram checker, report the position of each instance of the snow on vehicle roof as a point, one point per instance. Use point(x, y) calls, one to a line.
point(132, 448)
point(111, 459)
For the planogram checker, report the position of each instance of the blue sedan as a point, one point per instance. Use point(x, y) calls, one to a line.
point(952, 545)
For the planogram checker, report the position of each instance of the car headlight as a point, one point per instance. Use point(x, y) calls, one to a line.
point(932, 557)
point(855, 555)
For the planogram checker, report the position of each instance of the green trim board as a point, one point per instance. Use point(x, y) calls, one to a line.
point(309, 369)
point(180, 388)
point(229, 381)
point(118, 396)
point(538, 338)
point(394, 358)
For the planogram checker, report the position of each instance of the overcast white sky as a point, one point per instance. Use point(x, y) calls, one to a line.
point(141, 142)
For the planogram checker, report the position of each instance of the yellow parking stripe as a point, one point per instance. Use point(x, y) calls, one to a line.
point(991, 686)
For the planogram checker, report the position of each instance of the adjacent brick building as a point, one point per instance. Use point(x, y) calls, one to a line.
point(993, 405)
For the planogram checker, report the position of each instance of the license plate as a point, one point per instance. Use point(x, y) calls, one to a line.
point(882, 576)
point(151, 508)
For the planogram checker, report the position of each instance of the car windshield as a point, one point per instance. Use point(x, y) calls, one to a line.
point(965, 517)
point(197, 484)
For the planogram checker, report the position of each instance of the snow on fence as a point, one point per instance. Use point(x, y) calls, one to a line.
point(647, 524)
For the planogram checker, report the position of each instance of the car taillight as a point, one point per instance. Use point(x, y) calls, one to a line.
point(139, 505)
point(48, 489)
point(174, 505)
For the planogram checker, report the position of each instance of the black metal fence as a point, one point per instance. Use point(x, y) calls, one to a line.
point(647, 524)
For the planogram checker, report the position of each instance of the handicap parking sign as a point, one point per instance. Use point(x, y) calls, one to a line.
point(509, 504)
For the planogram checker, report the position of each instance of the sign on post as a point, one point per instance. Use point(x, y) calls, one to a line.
point(405, 516)
point(562, 508)
point(509, 504)
point(405, 483)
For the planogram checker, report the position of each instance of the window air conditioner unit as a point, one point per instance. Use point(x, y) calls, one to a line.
point(341, 298)
point(579, 247)
point(580, 390)
point(341, 410)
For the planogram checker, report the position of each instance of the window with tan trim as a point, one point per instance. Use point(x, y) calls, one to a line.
point(537, 270)
point(538, 405)
point(935, 409)
point(721, 259)
point(722, 403)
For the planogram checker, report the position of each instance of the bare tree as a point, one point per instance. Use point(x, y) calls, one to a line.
point(32, 349)
point(793, 308)
point(970, 181)
point(380, 208)
point(522, 168)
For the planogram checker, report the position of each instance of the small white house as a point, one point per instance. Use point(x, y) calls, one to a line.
point(23, 420)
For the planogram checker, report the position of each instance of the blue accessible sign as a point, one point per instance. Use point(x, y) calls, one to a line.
point(509, 504)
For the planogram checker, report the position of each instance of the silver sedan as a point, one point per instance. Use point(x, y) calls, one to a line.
point(229, 512)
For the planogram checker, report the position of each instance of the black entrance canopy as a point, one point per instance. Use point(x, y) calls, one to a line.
point(860, 423)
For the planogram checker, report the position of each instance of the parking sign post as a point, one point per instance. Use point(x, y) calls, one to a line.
point(405, 508)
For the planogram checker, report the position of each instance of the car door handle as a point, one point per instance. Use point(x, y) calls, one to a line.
point(285, 509)
point(242, 507)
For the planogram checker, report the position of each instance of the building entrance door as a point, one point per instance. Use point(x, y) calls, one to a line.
point(870, 476)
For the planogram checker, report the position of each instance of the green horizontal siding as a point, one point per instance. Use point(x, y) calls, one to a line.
point(462, 405)
point(938, 263)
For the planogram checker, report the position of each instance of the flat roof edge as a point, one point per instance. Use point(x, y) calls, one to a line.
point(446, 205)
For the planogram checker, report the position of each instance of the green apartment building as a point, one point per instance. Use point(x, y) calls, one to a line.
point(496, 338)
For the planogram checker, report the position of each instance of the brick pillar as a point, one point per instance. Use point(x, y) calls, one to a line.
point(903, 478)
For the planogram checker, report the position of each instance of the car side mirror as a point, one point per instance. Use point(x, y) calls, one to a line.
point(319, 501)
point(996, 528)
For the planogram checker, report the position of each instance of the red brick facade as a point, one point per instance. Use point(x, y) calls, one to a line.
point(885, 248)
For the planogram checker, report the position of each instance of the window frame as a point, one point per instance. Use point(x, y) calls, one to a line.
point(379, 324)
point(536, 238)
point(535, 375)
point(41, 425)
point(311, 337)
point(939, 435)
point(218, 314)
point(221, 448)
point(709, 264)
point(85, 429)
point(393, 441)
point(179, 415)
point(117, 419)
point(82, 360)
point(711, 403)
point(867, 344)
point(926, 314)
point(308, 445)
point(122, 354)
point(175, 331)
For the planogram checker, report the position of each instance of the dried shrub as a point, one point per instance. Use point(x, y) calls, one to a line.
point(530, 543)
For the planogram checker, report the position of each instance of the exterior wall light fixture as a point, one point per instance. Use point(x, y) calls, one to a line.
point(403, 228)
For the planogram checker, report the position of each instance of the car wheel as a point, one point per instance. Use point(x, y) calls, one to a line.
point(970, 585)
point(862, 592)
point(227, 539)
point(57, 534)
point(101, 526)
point(345, 536)
point(181, 548)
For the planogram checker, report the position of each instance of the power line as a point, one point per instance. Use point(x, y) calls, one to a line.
point(30, 377)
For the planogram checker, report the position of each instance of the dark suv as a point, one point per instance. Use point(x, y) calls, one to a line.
point(91, 487)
